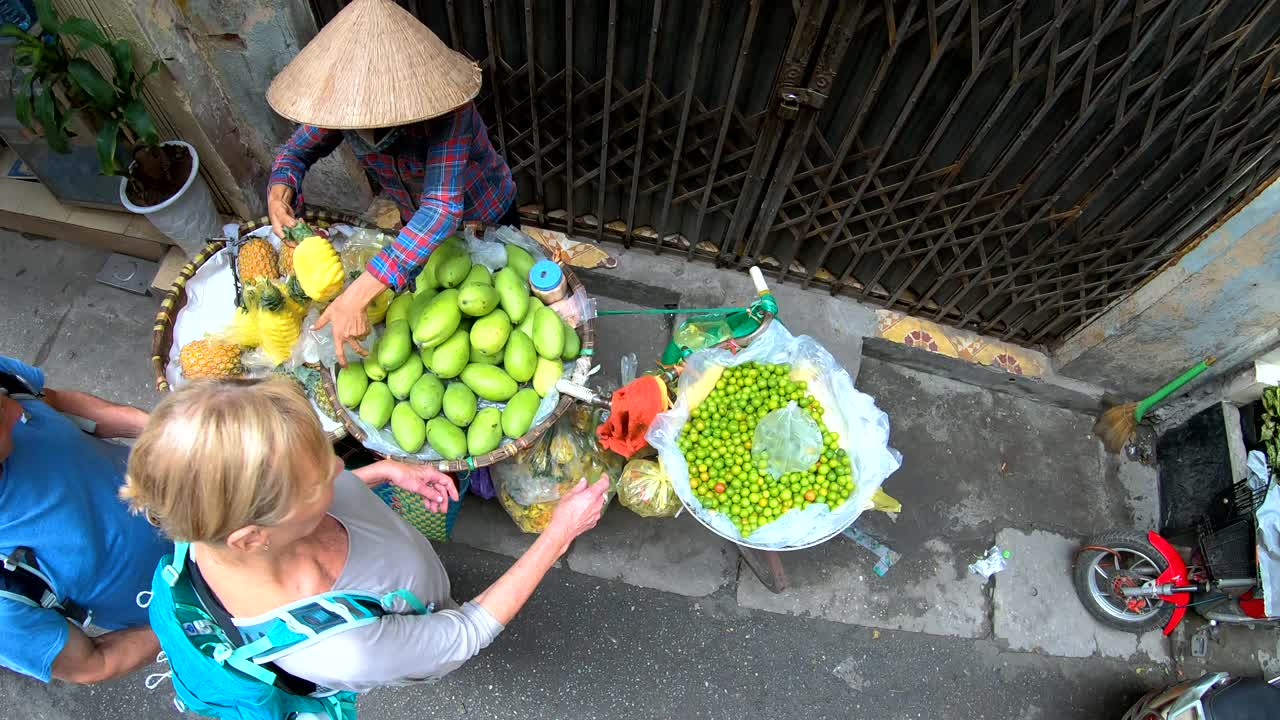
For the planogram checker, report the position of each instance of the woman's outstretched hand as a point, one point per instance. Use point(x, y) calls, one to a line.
point(434, 487)
point(579, 510)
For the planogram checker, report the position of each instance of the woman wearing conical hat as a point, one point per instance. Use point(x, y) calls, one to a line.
point(405, 108)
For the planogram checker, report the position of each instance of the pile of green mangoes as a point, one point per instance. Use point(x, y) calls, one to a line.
point(461, 336)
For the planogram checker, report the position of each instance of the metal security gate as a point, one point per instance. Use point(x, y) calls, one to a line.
point(1014, 167)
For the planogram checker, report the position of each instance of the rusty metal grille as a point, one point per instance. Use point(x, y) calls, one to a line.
point(1012, 167)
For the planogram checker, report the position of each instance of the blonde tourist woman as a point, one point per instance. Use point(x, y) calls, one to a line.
point(241, 474)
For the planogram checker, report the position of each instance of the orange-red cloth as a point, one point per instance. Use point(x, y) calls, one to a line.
point(634, 406)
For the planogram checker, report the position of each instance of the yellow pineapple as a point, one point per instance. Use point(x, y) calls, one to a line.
point(256, 261)
point(286, 257)
point(210, 358)
point(280, 319)
point(318, 268)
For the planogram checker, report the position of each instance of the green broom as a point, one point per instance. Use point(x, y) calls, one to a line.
point(1116, 426)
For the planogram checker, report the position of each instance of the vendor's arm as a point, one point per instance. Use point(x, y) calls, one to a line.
point(305, 146)
point(439, 209)
point(113, 420)
point(434, 487)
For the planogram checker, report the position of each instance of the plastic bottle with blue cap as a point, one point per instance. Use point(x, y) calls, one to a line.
point(546, 280)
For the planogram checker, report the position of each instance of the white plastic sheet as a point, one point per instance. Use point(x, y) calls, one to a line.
point(863, 430)
point(210, 306)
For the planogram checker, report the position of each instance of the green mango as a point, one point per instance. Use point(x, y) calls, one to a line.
point(520, 261)
point(425, 353)
point(352, 382)
point(394, 347)
point(489, 334)
point(375, 406)
point(438, 320)
point(454, 270)
point(486, 358)
point(485, 432)
point(449, 357)
point(409, 430)
point(489, 382)
point(427, 396)
point(546, 375)
point(446, 439)
point(517, 416)
point(447, 249)
point(548, 333)
point(478, 274)
point(513, 293)
point(371, 367)
point(400, 381)
point(419, 303)
point(399, 308)
point(572, 343)
point(477, 299)
point(526, 325)
point(521, 358)
point(459, 404)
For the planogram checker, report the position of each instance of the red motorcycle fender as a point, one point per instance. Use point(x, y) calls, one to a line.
point(1176, 573)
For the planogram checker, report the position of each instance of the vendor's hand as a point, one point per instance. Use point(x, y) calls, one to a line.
point(435, 488)
point(579, 510)
point(346, 316)
point(280, 209)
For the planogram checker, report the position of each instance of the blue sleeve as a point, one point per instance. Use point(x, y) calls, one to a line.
point(41, 635)
point(32, 376)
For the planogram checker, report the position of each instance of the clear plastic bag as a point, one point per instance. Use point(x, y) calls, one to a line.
point(862, 428)
point(530, 484)
point(644, 489)
point(786, 440)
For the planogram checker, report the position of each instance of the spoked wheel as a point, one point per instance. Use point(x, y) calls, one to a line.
point(1108, 564)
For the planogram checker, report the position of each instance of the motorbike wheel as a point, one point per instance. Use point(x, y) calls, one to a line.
point(1100, 575)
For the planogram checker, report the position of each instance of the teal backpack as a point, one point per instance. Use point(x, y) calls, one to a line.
point(226, 671)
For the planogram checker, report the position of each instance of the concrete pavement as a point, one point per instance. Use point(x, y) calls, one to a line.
point(656, 619)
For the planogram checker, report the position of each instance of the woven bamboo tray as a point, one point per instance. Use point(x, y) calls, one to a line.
point(578, 370)
point(171, 306)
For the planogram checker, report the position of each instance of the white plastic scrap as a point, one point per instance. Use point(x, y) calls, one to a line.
point(990, 564)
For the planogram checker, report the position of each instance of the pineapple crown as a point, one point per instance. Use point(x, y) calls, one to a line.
point(296, 293)
point(298, 232)
point(272, 298)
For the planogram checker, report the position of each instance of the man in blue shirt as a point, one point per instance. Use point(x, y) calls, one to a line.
point(58, 488)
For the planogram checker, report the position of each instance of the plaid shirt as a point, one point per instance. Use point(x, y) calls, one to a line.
point(446, 163)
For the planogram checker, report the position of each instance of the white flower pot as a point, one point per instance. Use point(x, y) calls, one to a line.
point(188, 218)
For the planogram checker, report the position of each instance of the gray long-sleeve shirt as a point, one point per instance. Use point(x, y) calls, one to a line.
point(385, 554)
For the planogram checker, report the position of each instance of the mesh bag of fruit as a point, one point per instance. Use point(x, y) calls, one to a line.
point(530, 484)
point(811, 485)
point(645, 490)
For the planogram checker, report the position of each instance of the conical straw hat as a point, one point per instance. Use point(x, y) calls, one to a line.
point(374, 65)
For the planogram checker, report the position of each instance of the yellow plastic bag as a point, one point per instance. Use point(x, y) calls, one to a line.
point(645, 490)
point(530, 484)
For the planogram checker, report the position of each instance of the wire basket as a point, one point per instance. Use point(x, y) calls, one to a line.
point(1227, 533)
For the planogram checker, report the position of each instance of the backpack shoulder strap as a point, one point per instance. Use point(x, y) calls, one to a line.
point(22, 581)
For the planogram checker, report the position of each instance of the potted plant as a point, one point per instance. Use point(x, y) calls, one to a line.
point(54, 84)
